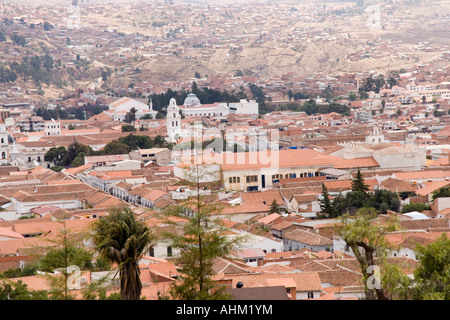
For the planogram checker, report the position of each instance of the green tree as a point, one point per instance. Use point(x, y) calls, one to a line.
point(200, 242)
point(123, 240)
point(115, 147)
point(358, 184)
point(79, 160)
point(441, 193)
point(19, 291)
point(326, 205)
point(432, 277)
point(56, 155)
point(366, 238)
point(415, 207)
point(274, 207)
point(383, 200)
point(66, 256)
point(128, 128)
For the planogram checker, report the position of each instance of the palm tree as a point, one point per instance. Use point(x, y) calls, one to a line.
point(122, 239)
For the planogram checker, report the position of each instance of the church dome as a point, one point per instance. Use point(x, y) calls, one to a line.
point(191, 100)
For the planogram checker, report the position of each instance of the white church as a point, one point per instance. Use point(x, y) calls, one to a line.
point(120, 107)
point(193, 107)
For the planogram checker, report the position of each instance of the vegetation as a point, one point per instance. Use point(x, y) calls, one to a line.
point(200, 241)
point(441, 193)
point(122, 240)
point(133, 142)
point(128, 128)
point(366, 238)
point(381, 200)
point(205, 95)
point(72, 156)
point(432, 277)
point(274, 207)
point(326, 206)
point(415, 207)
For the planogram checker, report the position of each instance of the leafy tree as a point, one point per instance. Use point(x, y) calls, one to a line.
point(79, 160)
point(105, 73)
point(197, 75)
point(128, 128)
point(137, 141)
point(56, 155)
point(28, 270)
point(432, 277)
point(352, 97)
point(415, 207)
point(74, 150)
point(383, 200)
point(366, 238)
point(18, 40)
point(66, 256)
point(19, 291)
point(47, 26)
point(115, 147)
point(122, 239)
point(441, 193)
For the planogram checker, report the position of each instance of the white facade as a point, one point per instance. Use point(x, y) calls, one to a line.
point(375, 137)
point(173, 120)
point(193, 107)
point(4, 147)
point(119, 109)
point(52, 128)
point(244, 107)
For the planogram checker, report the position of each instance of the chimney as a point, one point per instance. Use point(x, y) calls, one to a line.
point(293, 293)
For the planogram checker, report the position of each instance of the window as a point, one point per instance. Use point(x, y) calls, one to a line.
point(169, 251)
point(3, 155)
point(234, 179)
point(277, 176)
point(252, 179)
point(310, 295)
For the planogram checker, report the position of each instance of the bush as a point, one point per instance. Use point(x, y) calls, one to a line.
point(415, 207)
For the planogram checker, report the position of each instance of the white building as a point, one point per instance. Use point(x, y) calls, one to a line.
point(244, 107)
point(119, 109)
point(52, 128)
point(193, 107)
point(4, 147)
point(173, 120)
